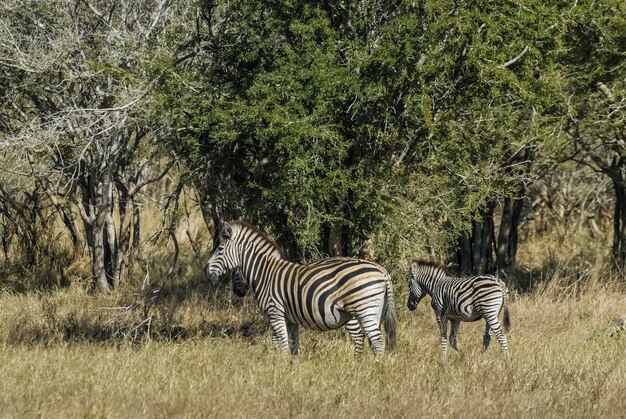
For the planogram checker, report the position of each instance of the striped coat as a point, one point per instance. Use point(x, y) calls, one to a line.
point(322, 295)
point(460, 299)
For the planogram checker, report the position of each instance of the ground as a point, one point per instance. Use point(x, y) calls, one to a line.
point(65, 354)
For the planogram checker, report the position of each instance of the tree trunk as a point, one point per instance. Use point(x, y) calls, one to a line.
point(487, 249)
point(98, 259)
point(136, 252)
point(503, 261)
point(619, 199)
point(475, 253)
point(111, 246)
point(619, 226)
point(99, 227)
point(518, 206)
point(6, 243)
point(506, 252)
point(125, 211)
point(622, 234)
point(30, 235)
point(333, 245)
point(84, 205)
point(463, 254)
point(477, 245)
point(209, 213)
point(71, 222)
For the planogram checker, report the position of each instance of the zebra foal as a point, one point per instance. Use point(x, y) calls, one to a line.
point(322, 295)
point(457, 299)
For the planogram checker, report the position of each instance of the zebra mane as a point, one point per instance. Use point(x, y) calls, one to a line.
point(433, 263)
point(243, 224)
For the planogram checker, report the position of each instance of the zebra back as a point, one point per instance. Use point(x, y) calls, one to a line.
point(433, 279)
point(320, 295)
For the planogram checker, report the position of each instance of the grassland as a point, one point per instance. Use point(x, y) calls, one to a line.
point(183, 348)
point(68, 353)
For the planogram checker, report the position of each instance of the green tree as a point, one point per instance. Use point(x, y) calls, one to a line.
point(468, 97)
point(386, 125)
point(594, 66)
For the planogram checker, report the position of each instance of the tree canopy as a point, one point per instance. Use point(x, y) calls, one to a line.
point(375, 128)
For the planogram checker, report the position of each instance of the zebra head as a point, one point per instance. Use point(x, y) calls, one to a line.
point(225, 255)
point(416, 289)
point(240, 283)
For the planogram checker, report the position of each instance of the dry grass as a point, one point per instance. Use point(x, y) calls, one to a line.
point(197, 351)
point(208, 354)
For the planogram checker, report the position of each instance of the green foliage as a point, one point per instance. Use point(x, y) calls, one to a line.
point(389, 124)
point(309, 121)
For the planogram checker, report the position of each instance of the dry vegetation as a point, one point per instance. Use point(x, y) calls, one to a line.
point(329, 122)
point(183, 348)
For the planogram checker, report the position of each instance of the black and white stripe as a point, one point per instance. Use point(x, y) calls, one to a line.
point(460, 299)
point(322, 295)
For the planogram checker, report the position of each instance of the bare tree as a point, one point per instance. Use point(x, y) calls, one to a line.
point(79, 78)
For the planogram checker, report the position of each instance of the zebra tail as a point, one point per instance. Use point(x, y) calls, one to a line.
point(390, 318)
point(507, 318)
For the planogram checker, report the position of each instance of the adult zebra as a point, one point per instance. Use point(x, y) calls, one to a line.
point(460, 299)
point(321, 295)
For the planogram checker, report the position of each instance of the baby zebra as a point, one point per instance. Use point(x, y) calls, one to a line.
point(460, 299)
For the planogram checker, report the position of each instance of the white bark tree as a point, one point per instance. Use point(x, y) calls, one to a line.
point(77, 80)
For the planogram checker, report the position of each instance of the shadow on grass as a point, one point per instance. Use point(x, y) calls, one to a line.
point(561, 275)
point(181, 307)
point(74, 330)
point(525, 281)
point(159, 304)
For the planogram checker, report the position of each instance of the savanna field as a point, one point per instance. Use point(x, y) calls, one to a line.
point(492, 138)
point(185, 348)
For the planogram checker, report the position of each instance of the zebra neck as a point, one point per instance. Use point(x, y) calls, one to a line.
point(433, 282)
point(260, 268)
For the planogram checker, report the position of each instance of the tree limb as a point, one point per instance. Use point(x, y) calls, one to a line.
point(516, 59)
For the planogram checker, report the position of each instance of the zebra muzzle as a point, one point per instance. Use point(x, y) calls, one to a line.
point(412, 304)
point(239, 289)
point(213, 277)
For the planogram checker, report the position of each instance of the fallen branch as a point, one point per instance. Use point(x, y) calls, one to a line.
point(126, 316)
point(516, 59)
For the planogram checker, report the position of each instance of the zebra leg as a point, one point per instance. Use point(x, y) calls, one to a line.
point(280, 339)
point(371, 327)
point(294, 341)
point(494, 324)
point(487, 337)
point(356, 333)
point(454, 330)
point(443, 328)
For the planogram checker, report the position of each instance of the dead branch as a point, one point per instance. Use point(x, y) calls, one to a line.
point(516, 59)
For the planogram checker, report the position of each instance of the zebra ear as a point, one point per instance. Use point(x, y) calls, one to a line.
point(226, 231)
point(216, 232)
point(413, 268)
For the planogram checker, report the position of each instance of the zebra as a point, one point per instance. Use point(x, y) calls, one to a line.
point(460, 299)
point(239, 283)
point(240, 288)
point(322, 295)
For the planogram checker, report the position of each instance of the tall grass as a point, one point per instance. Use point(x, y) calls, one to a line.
point(172, 345)
point(71, 354)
